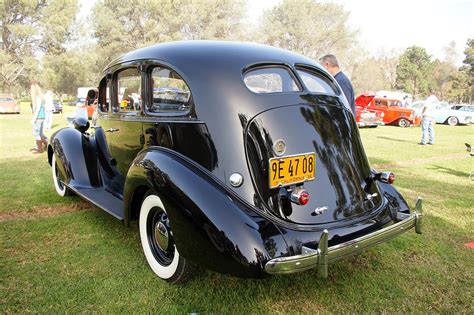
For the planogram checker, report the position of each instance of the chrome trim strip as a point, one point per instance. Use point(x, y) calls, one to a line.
point(321, 257)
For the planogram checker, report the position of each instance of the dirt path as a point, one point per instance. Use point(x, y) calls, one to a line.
point(421, 161)
point(44, 211)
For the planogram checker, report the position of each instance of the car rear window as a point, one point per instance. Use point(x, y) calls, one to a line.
point(270, 80)
point(316, 82)
point(170, 93)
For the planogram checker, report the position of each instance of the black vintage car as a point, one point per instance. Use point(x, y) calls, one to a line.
point(241, 158)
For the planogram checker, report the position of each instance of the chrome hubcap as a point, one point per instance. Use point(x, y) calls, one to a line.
point(162, 236)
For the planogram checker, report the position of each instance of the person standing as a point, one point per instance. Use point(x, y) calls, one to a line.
point(48, 108)
point(39, 115)
point(330, 63)
point(427, 121)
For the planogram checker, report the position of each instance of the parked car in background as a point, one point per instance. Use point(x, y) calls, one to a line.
point(465, 108)
point(58, 107)
point(394, 114)
point(8, 105)
point(368, 118)
point(257, 170)
point(445, 113)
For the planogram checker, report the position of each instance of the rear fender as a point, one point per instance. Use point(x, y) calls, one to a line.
point(211, 225)
point(72, 150)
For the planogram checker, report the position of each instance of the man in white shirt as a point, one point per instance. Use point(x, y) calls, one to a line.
point(427, 122)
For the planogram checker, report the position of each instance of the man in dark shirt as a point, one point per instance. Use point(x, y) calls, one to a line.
point(332, 65)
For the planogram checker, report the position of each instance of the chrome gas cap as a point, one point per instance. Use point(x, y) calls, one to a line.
point(236, 180)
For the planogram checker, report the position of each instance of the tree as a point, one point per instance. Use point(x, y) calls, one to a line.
point(458, 86)
point(414, 71)
point(28, 30)
point(136, 23)
point(375, 73)
point(468, 69)
point(368, 75)
point(309, 27)
point(65, 72)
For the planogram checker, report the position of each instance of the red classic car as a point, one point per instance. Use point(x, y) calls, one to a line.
point(368, 118)
point(394, 114)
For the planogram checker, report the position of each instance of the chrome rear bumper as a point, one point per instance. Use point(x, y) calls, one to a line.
point(321, 257)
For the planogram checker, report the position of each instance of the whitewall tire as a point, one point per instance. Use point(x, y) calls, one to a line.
point(452, 121)
point(157, 241)
point(61, 189)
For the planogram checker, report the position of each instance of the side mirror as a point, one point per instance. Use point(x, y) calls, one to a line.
point(81, 124)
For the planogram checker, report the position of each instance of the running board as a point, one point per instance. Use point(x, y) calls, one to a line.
point(102, 199)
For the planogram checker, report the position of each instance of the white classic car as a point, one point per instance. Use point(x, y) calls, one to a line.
point(444, 114)
point(465, 108)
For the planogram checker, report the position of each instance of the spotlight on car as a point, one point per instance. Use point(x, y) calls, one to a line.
point(386, 177)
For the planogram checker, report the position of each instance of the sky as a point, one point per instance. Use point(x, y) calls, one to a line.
point(386, 26)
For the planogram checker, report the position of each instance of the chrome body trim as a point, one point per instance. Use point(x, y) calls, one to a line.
point(320, 258)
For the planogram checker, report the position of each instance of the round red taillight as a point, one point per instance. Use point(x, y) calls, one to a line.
point(299, 196)
point(304, 198)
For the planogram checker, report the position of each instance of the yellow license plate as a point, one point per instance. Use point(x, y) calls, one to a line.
point(291, 169)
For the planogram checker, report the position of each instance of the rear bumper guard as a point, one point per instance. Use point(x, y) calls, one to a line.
point(321, 257)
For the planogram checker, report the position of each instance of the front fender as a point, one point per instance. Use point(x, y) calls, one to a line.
point(72, 150)
point(211, 225)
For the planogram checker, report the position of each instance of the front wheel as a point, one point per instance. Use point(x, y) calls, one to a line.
point(158, 244)
point(61, 189)
point(403, 123)
point(453, 121)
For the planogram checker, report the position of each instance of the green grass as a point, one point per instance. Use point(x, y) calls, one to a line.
point(86, 261)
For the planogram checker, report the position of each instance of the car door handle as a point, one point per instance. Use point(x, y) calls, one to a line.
point(112, 130)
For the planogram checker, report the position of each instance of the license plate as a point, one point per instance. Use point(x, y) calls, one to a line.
point(291, 169)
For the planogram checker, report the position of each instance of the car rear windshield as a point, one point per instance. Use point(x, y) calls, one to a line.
point(316, 82)
point(170, 93)
point(272, 79)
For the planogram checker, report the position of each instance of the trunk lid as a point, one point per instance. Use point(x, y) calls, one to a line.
point(342, 171)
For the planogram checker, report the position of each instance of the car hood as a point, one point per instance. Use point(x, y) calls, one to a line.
point(364, 100)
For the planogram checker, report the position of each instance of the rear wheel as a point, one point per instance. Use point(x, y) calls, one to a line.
point(403, 123)
point(452, 121)
point(158, 244)
point(61, 189)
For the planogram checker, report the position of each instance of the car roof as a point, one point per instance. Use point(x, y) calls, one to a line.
point(228, 53)
point(213, 71)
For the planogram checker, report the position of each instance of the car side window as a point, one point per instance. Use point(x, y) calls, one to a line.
point(316, 82)
point(128, 97)
point(381, 103)
point(273, 79)
point(170, 93)
point(104, 96)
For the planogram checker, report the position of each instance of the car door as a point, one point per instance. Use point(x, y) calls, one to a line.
point(381, 105)
point(125, 132)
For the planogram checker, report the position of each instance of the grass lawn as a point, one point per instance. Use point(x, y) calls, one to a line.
point(64, 255)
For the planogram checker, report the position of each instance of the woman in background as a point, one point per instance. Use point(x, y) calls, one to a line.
point(48, 107)
point(39, 115)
